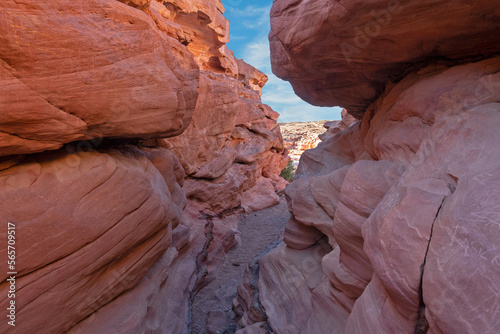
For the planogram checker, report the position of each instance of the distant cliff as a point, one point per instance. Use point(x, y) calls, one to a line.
point(301, 136)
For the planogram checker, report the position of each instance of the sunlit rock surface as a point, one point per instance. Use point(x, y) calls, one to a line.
point(301, 136)
point(95, 69)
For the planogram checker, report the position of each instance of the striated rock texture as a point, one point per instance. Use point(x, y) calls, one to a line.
point(88, 227)
point(111, 112)
point(344, 52)
point(233, 145)
point(97, 69)
point(395, 220)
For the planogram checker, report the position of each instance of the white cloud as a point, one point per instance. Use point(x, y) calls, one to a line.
point(277, 93)
point(258, 55)
point(252, 17)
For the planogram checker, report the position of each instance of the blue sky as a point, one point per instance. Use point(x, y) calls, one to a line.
point(248, 32)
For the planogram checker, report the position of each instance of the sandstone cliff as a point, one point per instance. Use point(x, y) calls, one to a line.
point(301, 136)
point(395, 220)
point(111, 113)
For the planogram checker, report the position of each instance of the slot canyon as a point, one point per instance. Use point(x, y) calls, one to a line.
point(141, 186)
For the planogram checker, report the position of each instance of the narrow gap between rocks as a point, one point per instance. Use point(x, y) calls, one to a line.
point(212, 305)
point(422, 325)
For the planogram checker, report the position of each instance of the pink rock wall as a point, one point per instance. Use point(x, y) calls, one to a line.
point(395, 219)
point(344, 52)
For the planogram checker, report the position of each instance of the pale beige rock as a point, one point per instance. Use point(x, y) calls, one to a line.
point(301, 136)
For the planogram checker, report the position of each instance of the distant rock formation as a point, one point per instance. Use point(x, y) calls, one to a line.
point(395, 220)
point(301, 136)
point(111, 113)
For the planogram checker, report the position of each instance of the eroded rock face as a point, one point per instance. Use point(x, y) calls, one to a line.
point(88, 93)
point(344, 52)
point(299, 137)
point(233, 139)
point(66, 77)
point(401, 202)
point(78, 245)
point(231, 143)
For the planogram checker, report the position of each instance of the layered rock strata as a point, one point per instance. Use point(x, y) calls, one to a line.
point(106, 240)
point(395, 219)
point(301, 136)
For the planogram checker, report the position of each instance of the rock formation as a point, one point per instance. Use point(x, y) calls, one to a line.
point(395, 220)
point(371, 43)
point(301, 136)
point(112, 112)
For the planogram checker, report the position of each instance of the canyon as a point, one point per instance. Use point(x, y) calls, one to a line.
point(140, 169)
point(301, 136)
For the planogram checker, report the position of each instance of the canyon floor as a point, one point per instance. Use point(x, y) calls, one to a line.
point(212, 306)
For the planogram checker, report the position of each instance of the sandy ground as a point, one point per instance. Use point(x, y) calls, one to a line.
point(212, 306)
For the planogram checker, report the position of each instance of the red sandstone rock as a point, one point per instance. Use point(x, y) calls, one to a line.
point(233, 139)
point(104, 247)
point(232, 144)
point(78, 246)
point(407, 200)
point(96, 69)
point(261, 196)
point(344, 52)
point(337, 126)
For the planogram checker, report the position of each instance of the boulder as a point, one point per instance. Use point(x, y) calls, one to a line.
point(77, 245)
point(343, 53)
point(98, 69)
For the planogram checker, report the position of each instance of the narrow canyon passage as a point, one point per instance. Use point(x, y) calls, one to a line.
point(132, 139)
point(212, 306)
